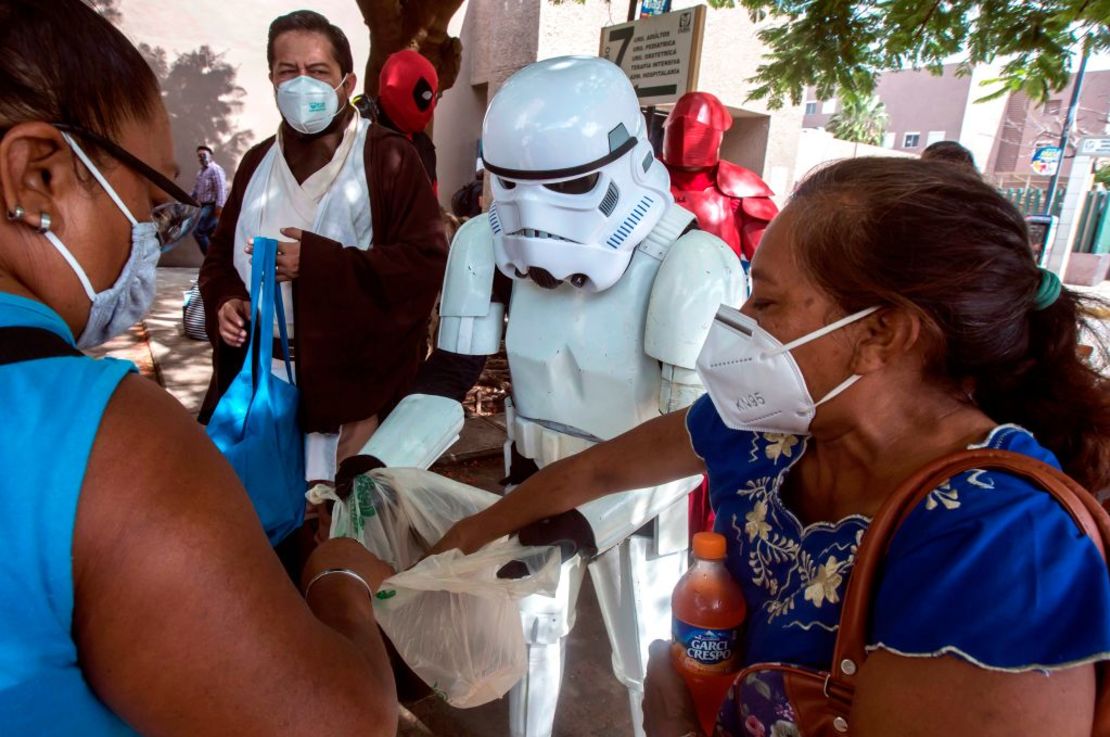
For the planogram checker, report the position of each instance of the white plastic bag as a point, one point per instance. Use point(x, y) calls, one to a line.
point(452, 620)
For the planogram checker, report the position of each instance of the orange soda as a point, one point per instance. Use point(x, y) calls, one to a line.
point(708, 613)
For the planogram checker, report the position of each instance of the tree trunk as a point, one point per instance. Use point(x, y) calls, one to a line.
point(413, 24)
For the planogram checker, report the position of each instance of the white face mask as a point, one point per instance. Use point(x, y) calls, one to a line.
point(308, 104)
point(754, 381)
point(121, 305)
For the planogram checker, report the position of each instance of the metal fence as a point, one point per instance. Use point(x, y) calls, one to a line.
point(1094, 228)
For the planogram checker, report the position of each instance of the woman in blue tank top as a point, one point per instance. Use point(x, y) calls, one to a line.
point(897, 316)
point(139, 592)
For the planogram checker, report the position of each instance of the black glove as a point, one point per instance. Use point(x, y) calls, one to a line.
point(569, 531)
point(349, 469)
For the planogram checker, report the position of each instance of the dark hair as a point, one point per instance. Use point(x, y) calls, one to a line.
point(949, 151)
point(938, 240)
point(309, 20)
point(466, 202)
point(64, 63)
point(202, 147)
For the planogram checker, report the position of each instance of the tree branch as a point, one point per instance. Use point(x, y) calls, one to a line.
point(420, 25)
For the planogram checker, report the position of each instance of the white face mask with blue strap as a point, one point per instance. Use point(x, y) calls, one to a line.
point(121, 305)
point(307, 104)
point(754, 381)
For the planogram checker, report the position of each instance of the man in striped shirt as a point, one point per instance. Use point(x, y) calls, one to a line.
point(211, 192)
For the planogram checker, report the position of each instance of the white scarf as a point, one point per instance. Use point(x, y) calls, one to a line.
point(333, 203)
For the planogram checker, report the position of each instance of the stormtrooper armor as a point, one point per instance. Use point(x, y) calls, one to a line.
point(729, 201)
point(613, 294)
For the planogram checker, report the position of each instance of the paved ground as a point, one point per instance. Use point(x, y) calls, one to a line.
point(592, 704)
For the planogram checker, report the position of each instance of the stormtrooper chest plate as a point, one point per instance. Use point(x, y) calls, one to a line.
point(577, 358)
point(717, 213)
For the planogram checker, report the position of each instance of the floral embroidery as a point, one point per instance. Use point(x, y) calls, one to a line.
point(757, 522)
point(826, 581)
point(976, 478)
point(769, 548)
point(780, 565)
point(785, 729)
point(779, 444)
point(943, 495)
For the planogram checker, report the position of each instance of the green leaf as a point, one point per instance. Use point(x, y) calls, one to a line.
point(841, 46)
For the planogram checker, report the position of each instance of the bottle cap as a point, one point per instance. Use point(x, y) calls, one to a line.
point(709, 545)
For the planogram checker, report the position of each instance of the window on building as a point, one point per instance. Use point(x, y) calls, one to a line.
point(911, 140)
point(828, 107)
point(934, 136)
point(1052, 107)
point(811, 107)
point(888, 139)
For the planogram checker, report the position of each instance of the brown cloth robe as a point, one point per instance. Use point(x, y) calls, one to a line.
point(361, 317)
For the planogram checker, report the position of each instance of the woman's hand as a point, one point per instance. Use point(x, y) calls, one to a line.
point(668, 706)
point(464, 535)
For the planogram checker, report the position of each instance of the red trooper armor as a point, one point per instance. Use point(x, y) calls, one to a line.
point(729, 201)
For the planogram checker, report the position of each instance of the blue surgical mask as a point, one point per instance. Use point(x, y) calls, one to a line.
point(121, 305)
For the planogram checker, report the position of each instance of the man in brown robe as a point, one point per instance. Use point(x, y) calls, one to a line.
point(360, 310)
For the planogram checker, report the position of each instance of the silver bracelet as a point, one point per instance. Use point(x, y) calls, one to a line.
point(343, 571)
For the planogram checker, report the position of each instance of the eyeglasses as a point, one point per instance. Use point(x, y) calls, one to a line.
point(174, 220)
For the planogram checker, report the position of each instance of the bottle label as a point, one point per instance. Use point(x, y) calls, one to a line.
point(707, 649)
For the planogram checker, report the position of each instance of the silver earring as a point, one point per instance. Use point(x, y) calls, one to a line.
point(17, 213)
point(44, 222)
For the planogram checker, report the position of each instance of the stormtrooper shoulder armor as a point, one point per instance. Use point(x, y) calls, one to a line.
point(699, 274)
point(470, 322)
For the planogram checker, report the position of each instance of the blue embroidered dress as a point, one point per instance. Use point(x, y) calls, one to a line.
point(988, 568)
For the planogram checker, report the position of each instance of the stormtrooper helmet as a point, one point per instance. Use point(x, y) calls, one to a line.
point(575, 184)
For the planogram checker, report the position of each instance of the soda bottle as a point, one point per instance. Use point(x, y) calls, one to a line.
point(708, 613)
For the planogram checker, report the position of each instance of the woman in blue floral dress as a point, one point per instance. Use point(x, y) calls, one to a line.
point(902, 296)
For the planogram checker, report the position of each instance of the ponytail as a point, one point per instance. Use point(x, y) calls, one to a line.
point(1056, 393)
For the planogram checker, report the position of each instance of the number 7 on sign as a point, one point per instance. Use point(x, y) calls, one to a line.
point(624, 35)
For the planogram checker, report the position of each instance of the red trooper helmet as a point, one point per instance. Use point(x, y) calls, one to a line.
point(693, 131)
point(407, 89)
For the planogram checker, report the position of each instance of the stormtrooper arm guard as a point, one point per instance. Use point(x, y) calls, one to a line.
point(698, 275)
point(423, 426)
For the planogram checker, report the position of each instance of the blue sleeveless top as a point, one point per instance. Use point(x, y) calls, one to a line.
point(50, 411)
point(988, 568)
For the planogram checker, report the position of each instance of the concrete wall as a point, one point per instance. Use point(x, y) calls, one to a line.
point(817, 147)
point(575, 28)
point(498, 38)
point(919, 102)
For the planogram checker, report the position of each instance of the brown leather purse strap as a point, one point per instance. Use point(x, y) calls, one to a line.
point(851, 640)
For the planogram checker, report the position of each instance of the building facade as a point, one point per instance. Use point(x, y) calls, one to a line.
point(1002, 133)
point(499, 37)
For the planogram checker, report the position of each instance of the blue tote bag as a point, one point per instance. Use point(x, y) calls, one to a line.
point(255, 423)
